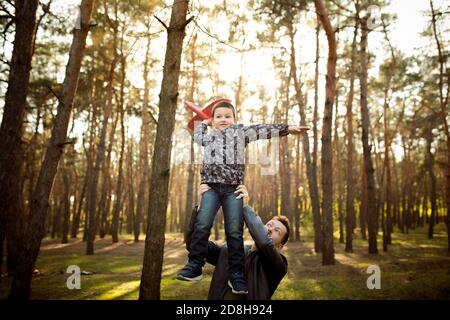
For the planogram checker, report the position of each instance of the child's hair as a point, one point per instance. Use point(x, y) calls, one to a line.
point(223, 105)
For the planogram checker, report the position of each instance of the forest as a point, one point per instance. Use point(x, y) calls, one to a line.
point(98, 168)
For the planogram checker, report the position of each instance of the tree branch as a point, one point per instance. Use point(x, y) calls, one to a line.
point(165, 26)
point(54, 93)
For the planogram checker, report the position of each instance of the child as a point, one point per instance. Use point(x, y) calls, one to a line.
point(223, 170)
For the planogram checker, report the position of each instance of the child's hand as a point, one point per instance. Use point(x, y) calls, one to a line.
point(207, 122)
point(243, 193)
point(297, 129)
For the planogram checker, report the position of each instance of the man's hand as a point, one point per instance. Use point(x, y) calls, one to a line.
point(297, 129)
point(203, 188)
point(243, 193)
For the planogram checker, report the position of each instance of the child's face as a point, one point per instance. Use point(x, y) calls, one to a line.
point(223, 118)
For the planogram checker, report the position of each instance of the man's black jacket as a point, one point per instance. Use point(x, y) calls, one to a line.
point(264, 267)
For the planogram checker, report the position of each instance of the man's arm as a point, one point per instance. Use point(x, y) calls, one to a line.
point(264, 242)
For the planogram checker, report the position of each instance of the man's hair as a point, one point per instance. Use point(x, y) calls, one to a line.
point(223, 105)
point(285, 221)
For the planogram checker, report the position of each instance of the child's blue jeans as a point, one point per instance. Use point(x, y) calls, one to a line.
point(219, 195)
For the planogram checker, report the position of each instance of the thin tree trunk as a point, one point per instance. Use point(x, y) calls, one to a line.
point(429, 165)
point(77, 215)
point(372, 214)
point(191, 166)
point(118, 204)
point(337, 166)
point(350, 216)
point(363, 206)
point(104, 205)
point(66, 201)
point(387, 141)
point(143, 149)
point(444, 110)
point(38, 208)
point(327, 153)
point(297, 208)
point(310, 172)
point(154, 242)
point(131, 207)
point(100, 155)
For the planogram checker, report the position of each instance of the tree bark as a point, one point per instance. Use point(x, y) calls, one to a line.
point(310, 172)
point(154, 242)
point(372, 214)
point(337, 172)
point(444, 110)
point(143, 151)
point(66, 201)
point(119, 194)
point(189, 205)
point(429, 166)
point(77, 215)
point(350, 216)
point(100, 155)
point(11, 130)
point(104, 205)
point(38, 208)
point(327, 153)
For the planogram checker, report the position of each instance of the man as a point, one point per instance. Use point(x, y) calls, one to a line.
point(265, 265)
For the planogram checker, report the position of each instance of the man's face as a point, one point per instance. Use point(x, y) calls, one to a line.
point(277, 231)
point(223, 118)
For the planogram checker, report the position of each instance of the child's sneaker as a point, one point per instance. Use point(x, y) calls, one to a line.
point(190, 272)
point(237, 283)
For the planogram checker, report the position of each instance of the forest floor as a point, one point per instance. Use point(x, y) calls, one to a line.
point(414, 267)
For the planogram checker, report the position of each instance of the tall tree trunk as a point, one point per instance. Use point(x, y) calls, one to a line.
point(11, 130)
point(100, 155)
point(143, 149)
point(363, 205)
point(372, 214)
point(191, 166)
point(104, 205)
point(327, 153)
point(297, 207)
point(284, 155)
point(66, 201)
point(131, 207)
point(337, 171)
point(429, 165)
point(119, 194)
point(77, 214)
point(310, 172)
point(350, 204)
point(444, 112)
point(387, 142)
point(38, 208)
point(154, 241)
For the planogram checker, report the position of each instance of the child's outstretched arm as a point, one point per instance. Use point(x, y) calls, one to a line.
point(268, 131)
point(297, 129)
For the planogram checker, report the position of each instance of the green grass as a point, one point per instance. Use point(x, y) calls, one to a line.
point(414, 267)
